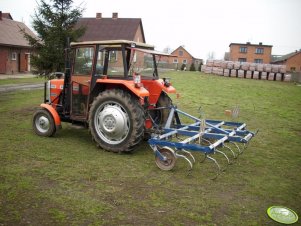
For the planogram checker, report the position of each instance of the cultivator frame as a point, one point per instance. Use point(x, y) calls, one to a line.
point(204, 136)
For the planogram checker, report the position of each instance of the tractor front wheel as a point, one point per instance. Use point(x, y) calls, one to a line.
point(43, 123)
point(116, 121)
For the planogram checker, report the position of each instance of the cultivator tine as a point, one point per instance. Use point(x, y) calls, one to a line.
point(238, 148)
point(224, 154)
point(184, 157)
point(218, 166)
point(188, 153)
point(233, 153)
point(246, 145)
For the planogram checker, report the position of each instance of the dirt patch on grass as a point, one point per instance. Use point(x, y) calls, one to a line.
point(26, 111)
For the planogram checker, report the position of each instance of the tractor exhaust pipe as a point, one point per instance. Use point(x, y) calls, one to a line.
point(66, 91)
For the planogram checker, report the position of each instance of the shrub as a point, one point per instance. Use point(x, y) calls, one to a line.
point(183, 67)
point(192, 67)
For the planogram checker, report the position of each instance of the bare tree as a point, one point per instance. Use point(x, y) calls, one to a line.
point(227, 56)
point(211, 55)
point(167, 49)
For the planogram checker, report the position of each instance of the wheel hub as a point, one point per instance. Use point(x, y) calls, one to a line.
point(113, 123)
point(109, 123)
point(43, 123)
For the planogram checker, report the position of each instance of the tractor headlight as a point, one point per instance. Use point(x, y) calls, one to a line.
point(166, 82)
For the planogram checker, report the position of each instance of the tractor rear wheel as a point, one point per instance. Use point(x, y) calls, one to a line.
point(116, 121)
point(43, 123)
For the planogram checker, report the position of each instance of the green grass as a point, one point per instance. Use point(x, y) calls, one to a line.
point(67, 180)
point(21, 81)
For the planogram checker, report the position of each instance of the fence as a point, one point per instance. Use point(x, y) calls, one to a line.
point(296, 77)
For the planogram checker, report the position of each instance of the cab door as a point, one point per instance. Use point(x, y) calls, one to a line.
point(81, 82)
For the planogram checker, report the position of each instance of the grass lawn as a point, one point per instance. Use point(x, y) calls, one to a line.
point(67, 180)
point(21, 81)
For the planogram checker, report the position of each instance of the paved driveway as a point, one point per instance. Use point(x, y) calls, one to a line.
point(14, 87)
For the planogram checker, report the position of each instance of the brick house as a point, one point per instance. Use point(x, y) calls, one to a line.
point(291, 60)
point(182, 56)
point(247, 52)
point(114, 28)
point(15, 51)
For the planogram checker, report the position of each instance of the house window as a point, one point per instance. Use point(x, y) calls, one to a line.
point(259, 61)
point(184, 61)
point(243, 49)
point(13, 56)
point(259, 51)
point(293, 69)
point(181, 53)
point(242, 59)
point(175, 61)
point(197, 62)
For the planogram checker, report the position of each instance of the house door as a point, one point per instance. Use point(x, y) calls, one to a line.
point(3, 58)
point(26, 62)
point(80, 82)
point(19, 62)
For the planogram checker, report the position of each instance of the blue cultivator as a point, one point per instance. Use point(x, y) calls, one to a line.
point(177, 140)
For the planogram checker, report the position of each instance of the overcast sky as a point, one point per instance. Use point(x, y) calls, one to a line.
point(201, 26)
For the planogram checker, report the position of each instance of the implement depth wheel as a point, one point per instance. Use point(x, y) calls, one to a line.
point(116, 121)
point(43, 123)
point(170, 161)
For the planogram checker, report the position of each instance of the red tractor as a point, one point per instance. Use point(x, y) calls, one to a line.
point(111, 87)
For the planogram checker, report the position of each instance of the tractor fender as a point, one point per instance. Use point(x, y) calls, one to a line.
point(167, 89)
point(53, 112)
point(138, 91)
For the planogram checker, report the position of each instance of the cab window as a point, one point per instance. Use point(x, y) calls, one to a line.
point(115, 63)
point(83, 61)
point(100, 62)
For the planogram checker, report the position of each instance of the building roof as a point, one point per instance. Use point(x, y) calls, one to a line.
point(285, 57)
point(182, 47)
point(249, 44)
point(11, 34)
point(7, 16)
point(110, 28)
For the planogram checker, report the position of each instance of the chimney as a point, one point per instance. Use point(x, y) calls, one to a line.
point(248, 43)
point(0, 15)
point(115, 15)
point(260, 43)
point(98, 15)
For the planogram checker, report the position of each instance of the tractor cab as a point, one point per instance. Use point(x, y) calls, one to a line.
point(101, 65)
